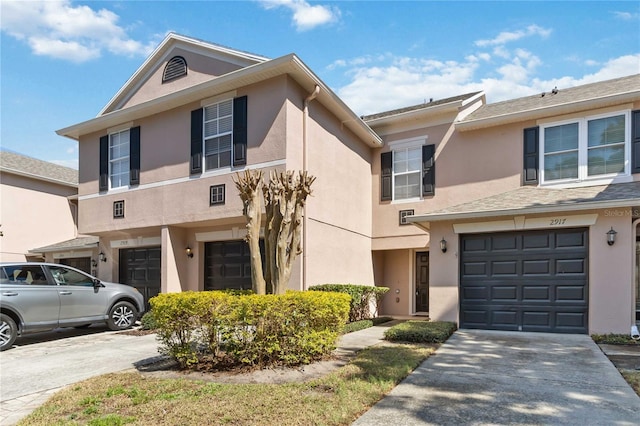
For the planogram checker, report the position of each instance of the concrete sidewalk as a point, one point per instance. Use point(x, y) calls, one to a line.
point(490, 377)
point(32, 372)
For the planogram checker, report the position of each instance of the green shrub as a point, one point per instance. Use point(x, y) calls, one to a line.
point(362, 297)
point(420, 332)
point(614, 339)
point(362, 324)
point(290, 329)
point(148, 321)
point(381, 320)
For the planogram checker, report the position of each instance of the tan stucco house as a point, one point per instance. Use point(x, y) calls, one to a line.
point(464, 241)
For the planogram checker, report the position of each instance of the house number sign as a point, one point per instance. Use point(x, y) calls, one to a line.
point(558, 222)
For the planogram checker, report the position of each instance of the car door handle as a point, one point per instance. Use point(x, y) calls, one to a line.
point(9, 293)
point(65, 293)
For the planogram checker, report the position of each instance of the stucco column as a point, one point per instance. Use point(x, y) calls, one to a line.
point(173, 260)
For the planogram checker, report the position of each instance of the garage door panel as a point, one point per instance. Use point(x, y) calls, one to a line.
point(525, 280)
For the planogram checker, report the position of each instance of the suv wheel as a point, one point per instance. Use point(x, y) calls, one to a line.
point(122, 315)
point(8, 332)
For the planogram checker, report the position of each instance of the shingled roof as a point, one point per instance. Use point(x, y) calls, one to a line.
point(576, 98)
point(424, 105)
point(81, 242)
point(529, 200)
point(11, 162)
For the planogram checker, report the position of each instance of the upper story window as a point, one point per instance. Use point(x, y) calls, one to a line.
point(218, 133)
point(586, 148)
point(119, 159)
point(176, 67)
point(408, 171)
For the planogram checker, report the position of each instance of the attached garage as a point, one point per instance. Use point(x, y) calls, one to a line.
point(525, 281)
point(140, 268)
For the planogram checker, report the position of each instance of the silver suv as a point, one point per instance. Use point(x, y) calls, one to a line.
point(43, 296)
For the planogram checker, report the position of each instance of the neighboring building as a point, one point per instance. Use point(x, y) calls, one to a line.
point(37, 205)
point(157, 168)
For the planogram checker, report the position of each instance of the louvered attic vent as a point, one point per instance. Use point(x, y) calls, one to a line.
point(176, 67)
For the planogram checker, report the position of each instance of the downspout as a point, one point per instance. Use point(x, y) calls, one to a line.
point(305, 117)
point(635, 334)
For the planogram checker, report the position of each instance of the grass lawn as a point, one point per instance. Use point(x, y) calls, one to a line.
point(335, 399)
point(633, 378)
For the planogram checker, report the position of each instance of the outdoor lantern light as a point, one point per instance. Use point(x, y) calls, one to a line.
point(102, 257)
point(443, 245)
point(189, 252)
point(611, 236)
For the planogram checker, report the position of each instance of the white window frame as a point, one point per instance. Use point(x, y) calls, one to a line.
point(405, 145)
point(583, 151)
point(120, 159)
point(219, 134)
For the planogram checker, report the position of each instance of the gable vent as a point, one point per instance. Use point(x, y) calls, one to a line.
point(176, 67)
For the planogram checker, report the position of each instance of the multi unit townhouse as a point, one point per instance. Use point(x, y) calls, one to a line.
point(498, 216)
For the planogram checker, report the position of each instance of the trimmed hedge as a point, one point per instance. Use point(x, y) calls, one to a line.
point(262, 330)
point(614, 339)
point(362, 297)
point(421, 331)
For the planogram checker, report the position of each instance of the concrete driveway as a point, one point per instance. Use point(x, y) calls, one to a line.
point(490, 377)
point(41, 364)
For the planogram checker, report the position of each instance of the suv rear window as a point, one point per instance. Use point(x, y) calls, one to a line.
point(23, 274)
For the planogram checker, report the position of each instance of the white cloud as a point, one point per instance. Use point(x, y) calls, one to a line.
point(396, 82)
point(305, 15)
point(58, 29)
point(507, 36)
point(626, 16)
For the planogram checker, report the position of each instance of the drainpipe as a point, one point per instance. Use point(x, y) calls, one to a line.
point(305, 117)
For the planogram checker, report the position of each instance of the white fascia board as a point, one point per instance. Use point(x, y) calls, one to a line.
point(593, 205)
point(159, 54)
point(289, 64)
point(531, 114)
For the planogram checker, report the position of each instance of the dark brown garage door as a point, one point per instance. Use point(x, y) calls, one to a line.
point(140, 268)
point(228, 265)
point(525, 281)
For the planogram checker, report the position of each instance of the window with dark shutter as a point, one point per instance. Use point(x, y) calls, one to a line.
point(103, 182)
point(196, 142)
point(531, 157)
point(240, 131)
point(428, 170)
point(386, 163)
point(134, 156)
point(635, 141)
point(176, 67)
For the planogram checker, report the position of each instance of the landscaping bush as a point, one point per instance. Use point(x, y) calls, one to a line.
point(420, 331)
point(263, 330)
point(362, 298)
point(362, 324)
point(614, 339)
point(381, 320)
point(148, 321)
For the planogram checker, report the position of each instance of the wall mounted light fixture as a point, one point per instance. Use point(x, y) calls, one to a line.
point(102, 257)
point(443, 245)
point(611, 236)
point(189, 252)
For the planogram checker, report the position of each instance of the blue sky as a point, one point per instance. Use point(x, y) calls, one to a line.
point(62, 61)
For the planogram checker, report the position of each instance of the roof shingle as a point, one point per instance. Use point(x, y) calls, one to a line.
point(11, 162)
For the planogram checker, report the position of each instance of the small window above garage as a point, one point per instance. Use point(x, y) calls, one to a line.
point(175, 68)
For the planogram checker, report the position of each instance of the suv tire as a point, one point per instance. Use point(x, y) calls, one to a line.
point(8, 332)
point(122, 315)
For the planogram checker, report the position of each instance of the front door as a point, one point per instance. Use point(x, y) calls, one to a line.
point(422, 281)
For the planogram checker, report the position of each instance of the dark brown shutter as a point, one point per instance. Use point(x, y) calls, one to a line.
point(386, 166)
point(428, 170)
point(196, 141)
point(635, 141)
point(240, 131)
point(134, 156)
point(103, 182)
point(531, 157)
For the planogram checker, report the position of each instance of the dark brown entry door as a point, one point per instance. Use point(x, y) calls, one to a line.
point(140, 268)
point(422, 281)
point(82, 263)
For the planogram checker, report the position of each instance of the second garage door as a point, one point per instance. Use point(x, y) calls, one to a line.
point(525, 281)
